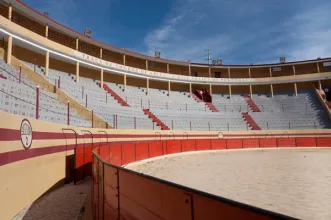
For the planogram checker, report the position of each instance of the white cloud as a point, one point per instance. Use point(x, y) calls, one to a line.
point(243, 31)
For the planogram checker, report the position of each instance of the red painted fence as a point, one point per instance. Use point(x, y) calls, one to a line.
point(119, 193)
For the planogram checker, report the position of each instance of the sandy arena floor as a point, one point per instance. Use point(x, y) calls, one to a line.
point(295, 182)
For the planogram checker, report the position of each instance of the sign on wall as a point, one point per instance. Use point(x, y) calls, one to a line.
point(26, 134)
point(326, 64)
point(277, 69)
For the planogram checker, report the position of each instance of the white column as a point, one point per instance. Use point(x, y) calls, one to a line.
point(9, 48)
point(101, 78)
point(47, 63)
point(10, 12)
point(77, 71)
point(147, 86)
point(251, 91)
point(124, 82)
point(77, 43)
point(46, 31)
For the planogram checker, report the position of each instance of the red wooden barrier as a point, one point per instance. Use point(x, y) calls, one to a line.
point(268, 142)
point(155, 149)
point(203, 144)
point(79, 163)
point(110, 191)
point(142, 151)
point(160, 199)
point(251, 143)
point(323, 142)
point(116, 154)
point(285, 142)
point(305, 142)
point(234, 143)
point(173, 146)
point(218, 144)
point(128, 153)
point(188, 145)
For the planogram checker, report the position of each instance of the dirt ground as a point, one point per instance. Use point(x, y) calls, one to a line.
point(295, 182)
point(63, 203)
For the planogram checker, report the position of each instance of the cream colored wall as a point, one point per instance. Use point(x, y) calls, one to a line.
point(25, 181)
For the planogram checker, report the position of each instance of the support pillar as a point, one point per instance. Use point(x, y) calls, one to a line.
point(293, 67)
point(68, 113)
point(210, 89)
point(37, 102)
point(319, 84)
point(101, 78)
point(190, 88)
point(295, 89)
point(189, 70)
point(318, 67)
point(251, 91)
point(270, 72)
point(209, 72)
point(146, 64)
point(124, 59)
point(169, 87)
point(77, 71)
point(168, 68)
point(9, 49)
point(124, 82)
point(271, 90)
point(46, 31)
point(10, 12)
point(147, 86)
point(77, 44)
point(47, 63)
point(230, 92)
point(249, 72)
point(101, 53)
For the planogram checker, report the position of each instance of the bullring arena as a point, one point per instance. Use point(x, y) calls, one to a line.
point(91, 131)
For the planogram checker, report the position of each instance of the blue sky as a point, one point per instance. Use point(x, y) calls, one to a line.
point(236, 31)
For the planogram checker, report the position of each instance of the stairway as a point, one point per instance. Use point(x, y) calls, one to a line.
point(211, 107)
point(250, 121)
point(196, 98)
point(3, 77)
point(156, 119)
point(251, 103)
point(328, 103)
point(115, 95)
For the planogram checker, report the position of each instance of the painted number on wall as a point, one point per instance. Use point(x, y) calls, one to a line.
point(26, 134)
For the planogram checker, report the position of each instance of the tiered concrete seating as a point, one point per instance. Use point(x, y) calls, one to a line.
point(237, 103)
point(180, 120)
point(179, 111)
point(100, 101)
point(157, 98)
point(287, 111)
point(20, 98)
